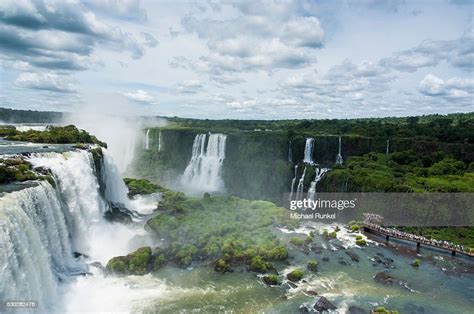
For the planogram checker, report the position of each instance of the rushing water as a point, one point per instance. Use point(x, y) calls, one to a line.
point(339, 159)
point(203, 173)
point(147, 139)
point(308, 151)
point(320, 172)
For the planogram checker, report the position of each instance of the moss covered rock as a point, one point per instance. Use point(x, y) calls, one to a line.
point(271, 280)
point(135, 263)
point(312, 265)
point(295, 275)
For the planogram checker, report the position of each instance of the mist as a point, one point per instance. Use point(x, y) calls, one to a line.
point(118, 123)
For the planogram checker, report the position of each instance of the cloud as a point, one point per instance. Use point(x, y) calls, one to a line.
point(45, 81)
point(432, 85)
point(189, 87)
point(458, 53)
point(259, 37)
point(140, 96)
point(121, 9)
point(60, 35)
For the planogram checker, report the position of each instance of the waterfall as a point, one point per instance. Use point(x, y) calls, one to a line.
point(203, 173)
point(147, 139)
point(339, 159)
point(293, 183)
point(319, 175)
point(41, 227)
point(308, 151)
point(159, 141)
point(387, 150)
point(299, 189)
point(290, 153)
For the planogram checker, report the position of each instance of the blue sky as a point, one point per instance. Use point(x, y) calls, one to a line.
point(246, 59)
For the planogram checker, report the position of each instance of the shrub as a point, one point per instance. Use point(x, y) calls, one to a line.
point(416, 263)
point(312, 265)
point(295, 275)
point(333, 235)
point(296, 241)
point(257, 264)
point(361, 242)
point(354, 228)
point(271, 280)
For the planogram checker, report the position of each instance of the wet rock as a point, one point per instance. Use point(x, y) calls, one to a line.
point(356, 310)
point(99, 266)
point(311, 292)
point(325, 259)
point(118, 213)
point(384, 278)
point(354, 257)
point(316, 249)
point(78, 254)
point(323, 305)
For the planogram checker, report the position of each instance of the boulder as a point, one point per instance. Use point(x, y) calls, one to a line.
point(384, 278)
point(323, 305)
point(354, 257)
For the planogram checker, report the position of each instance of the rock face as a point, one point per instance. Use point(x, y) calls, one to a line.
point(356, 310)
point(323, 305)
point(118, 213)
point(384, 278)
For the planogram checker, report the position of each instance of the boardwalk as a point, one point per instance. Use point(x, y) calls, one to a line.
point(392, 233)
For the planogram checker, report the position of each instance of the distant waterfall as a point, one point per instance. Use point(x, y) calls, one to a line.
point(147, 139)
point(203, 173)
point(308, 151)
point(300, 188)
point(293, 183)
point(290, 152)
point(159, 141)
point(387, 150)
point(319, 175)
point(42, 226)
point(339, 159)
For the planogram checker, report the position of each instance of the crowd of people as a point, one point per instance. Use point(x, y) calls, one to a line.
point(373, 221)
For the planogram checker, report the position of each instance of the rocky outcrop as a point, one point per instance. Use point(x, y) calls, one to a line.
point(140, 262)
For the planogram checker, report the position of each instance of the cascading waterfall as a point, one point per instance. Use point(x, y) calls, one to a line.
point(299, 189)
point(42, 226)
point(147, 139)
point(290, 153)
point(308, 151)
point(159, 141)
point(203, 173)
point(339, 159)
point(387, 149)
point(293, 183)
point(319, 175)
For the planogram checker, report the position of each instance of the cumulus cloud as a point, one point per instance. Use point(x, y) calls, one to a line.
point(262, 36)
point(60, 35)
point(45, 81)
point(189, 87)
point(140, 96)
point(458, 53)
point(432, 85)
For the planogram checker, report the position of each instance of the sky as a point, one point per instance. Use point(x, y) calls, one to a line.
point(238, 59)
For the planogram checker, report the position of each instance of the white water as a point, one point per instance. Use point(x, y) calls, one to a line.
point(308, 151)
point(293, 183)
point(159, 141)
point(387, 150)
point(319, 175)
point(299, 189)
point(290, 152)
point(339, 159)
point(41, 227)
point(203, 173)
point(147, 139)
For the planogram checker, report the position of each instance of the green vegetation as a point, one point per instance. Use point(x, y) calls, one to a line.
point(416, 263)
point(271, 280)
point(332, 235)
point(56, 135)
point(18, 169)
point(312, 265)
point(140, 186)
point(382, 310)
point(227, 230)
point(136, 263)
point(295, 275)
point(29, 116)
point(296, 241)
point(360, 241)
